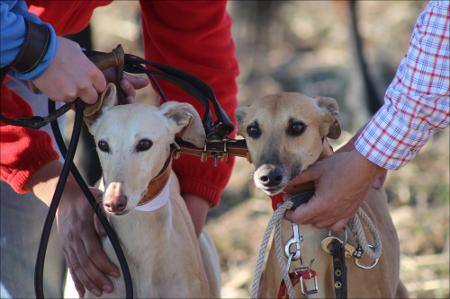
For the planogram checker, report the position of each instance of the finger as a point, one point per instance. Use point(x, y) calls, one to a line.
point(379, 181)
point(99, 280)
point(98, 194)
point(136, 82)
point(77, 282)
point(78, 285)
point(78, 269)
point(97, 254)
point(308, 175)
point(128, 88)
point(322, 224)
point(339, 226)
point(98, 79)
point(88, 95)
point(305, 212)
point(99, 227)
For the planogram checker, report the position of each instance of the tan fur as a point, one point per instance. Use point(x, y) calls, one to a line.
point(321, 117)
point(165, 257)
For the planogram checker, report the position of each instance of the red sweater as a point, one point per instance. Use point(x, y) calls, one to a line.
point(194, 36)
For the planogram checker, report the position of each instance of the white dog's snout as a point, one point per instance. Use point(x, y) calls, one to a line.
point(114, 201)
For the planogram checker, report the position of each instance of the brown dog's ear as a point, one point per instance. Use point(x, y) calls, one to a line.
point(186, 120)
point(332, 120)
point(240, 114)
point(106, 99)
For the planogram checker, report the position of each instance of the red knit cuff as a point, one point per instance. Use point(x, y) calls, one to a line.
point(199, 188)
point(17, 178)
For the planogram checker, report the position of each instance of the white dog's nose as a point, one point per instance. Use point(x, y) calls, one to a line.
point(114, 201)
point(115, 204)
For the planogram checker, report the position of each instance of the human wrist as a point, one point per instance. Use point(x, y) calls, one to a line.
point(45, 60)
point(367, 166)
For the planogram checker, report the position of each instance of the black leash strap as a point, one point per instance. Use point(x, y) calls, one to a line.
point(339, 269)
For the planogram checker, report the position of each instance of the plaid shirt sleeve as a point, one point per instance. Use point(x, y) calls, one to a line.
point(417, 102)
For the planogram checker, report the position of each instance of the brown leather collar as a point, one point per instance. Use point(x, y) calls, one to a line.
point(157, 184)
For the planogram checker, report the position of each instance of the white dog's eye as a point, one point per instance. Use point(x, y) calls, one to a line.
point(103, 146)
point(143, 145)
point(295, 128)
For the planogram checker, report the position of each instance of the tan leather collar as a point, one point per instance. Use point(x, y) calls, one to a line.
point(157, 184)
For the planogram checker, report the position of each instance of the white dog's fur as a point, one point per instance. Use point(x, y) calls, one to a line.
point(165, 257)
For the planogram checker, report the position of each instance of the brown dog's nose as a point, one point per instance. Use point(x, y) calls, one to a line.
point(270, 177)
point(115, 204)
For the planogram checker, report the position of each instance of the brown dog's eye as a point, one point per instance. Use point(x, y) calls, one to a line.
point(103, 146)
point(143, 145)
point(253, 131)
point(295, 128)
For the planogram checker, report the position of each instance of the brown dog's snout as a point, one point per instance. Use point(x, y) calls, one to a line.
point(269, 175)
point(115, 204)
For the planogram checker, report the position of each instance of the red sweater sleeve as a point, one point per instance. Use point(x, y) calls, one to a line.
point(22, 150)
point(195, 36)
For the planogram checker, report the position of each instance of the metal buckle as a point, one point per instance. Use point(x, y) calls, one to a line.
point(303, 287)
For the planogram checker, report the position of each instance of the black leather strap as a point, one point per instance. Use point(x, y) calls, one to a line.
point(339, 269)
point(33, 49)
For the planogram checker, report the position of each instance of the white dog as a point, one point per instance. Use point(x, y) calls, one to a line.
point(143, 202)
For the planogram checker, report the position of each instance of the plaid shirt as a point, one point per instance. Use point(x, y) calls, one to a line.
point(417, 103)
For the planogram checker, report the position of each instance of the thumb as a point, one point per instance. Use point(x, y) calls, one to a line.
point(99, 227)
point(304, 213)
point(312, 173)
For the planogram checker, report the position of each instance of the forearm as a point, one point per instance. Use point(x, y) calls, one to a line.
point(417, 103)
point(14, 30)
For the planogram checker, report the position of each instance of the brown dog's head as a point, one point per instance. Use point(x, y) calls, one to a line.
point(285, 134)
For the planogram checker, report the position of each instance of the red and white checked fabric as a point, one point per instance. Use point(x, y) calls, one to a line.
point(417, 102)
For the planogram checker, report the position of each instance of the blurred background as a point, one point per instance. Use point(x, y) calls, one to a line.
point(345, 50)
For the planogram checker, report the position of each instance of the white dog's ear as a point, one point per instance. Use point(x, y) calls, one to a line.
point(240, 115)
point(186, 120)
point(331, 126)
point(106, 99)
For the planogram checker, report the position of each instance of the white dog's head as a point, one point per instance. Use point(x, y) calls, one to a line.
point(133, 143)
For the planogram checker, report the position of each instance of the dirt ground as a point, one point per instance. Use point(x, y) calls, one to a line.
point(307, 40)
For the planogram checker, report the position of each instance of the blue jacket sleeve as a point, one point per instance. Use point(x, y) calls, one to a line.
point(13, 29)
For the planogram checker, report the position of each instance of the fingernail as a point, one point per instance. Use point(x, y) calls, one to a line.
point(96, 292)
point(107, 288)
point(115, 274)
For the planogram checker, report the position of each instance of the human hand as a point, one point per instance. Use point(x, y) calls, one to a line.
point(79, 233)
point(198, 209)
point(341, 182)
point(129, 83)
point(84, 254)
point(71, 75)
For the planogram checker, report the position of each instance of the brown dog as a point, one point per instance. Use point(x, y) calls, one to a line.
point(285, 134)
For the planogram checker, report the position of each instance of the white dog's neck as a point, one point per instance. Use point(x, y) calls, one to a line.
point(161, 199)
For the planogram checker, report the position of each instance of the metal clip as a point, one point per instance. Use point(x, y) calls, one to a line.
point(367, 267)
point(295, 240)
point(204, 154)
